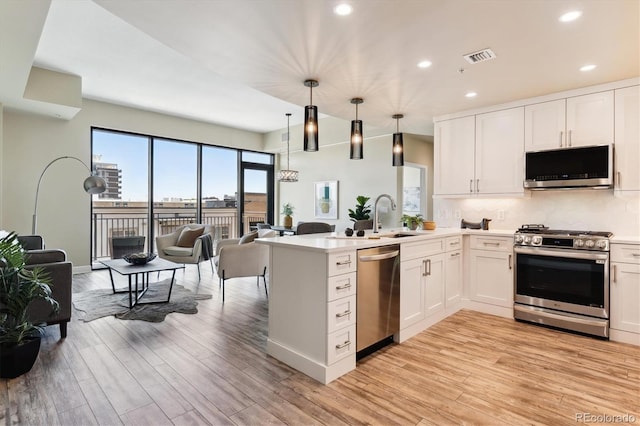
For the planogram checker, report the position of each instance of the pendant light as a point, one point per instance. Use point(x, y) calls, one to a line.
point(357, 139)
point(311, 120)
point(288, 175)
point(398, 151)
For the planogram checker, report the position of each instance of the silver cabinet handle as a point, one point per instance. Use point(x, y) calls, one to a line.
point(635, 254)
point(343, 287)
point(343, 314)
point(490, 244)
point(510, 265)
point(343, 345)
point(471, 186)
point(614, 274)
point(454, 243)
point(428, 267)
point(455, 254)
point(618, 178)
point(561, 135)
point(424, 267)
point(344, 262)
point(477, 185)
point(383, 256)
point(570, 134)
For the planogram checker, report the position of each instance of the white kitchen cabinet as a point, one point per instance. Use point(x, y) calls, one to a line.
point(624, 303)
point(453, 272)
point(627, 139)
point(577, 121)
point(421, 281)
point(500, 152)
point(454, 156)
point(491, 270)
point(480, 155)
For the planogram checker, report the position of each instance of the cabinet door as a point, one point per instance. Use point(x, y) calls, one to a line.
point(544, 125)
point(454, 156)
point(434, 291)
point(412, 298)
point(491, 279)
point(627, 134)
point(625, 294)
point(590, 119)
point(500, 152)
point(453, 278)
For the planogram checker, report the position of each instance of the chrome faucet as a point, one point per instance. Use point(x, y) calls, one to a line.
point(375, 209)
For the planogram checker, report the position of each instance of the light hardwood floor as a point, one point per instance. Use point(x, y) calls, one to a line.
point(211, 368)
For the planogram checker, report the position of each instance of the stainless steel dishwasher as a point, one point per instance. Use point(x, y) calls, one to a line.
point(378, 298)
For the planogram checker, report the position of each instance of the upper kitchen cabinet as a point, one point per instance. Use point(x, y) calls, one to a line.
point(627, 139)
point(500, 152)
point(454, 156)
point(480, 155)
point(576, 121)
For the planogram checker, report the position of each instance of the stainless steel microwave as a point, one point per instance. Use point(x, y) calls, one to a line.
point(580, 167)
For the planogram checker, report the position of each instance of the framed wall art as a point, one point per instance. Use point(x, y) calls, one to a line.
point(326, 199)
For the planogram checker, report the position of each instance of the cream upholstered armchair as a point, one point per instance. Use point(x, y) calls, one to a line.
point(191, 243)
point(242, 257)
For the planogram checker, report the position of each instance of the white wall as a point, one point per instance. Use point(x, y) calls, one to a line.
point(32, 141)
point(586, 210)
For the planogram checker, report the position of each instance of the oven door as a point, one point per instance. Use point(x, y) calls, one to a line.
point(566, 280)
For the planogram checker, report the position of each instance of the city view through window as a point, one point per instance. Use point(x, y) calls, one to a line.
point(140, 203)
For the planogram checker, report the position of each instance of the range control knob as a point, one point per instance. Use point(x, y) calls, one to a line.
point(537, 240)
point(518, 239)
point(527, 239)
point(601, 244)
point(589, 243)
point(578, 243)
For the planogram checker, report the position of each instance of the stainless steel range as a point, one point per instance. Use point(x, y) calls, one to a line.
point(562, 278)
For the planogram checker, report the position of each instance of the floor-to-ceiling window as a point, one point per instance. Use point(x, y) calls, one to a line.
point(156, 184)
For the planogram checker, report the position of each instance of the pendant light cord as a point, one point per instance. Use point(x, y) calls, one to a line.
point(288, 137)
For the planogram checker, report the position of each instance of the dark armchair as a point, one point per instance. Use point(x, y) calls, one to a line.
point(55, 264)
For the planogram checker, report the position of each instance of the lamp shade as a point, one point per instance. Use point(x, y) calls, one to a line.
point(398, 150)
point(311, 128)
point(356, 149)
point(287, 175)
point(94, 185)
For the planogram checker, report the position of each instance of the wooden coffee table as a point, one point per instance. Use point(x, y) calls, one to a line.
point(138, 276)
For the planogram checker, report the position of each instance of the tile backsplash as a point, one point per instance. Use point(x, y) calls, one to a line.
point(592, 210)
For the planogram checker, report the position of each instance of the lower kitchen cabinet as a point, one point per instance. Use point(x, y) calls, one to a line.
point(434, 284)
point(491, 271)
point(412, 289)
point(624, 302)
point(453, 278)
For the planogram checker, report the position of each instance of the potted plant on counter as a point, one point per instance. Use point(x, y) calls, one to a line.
point(361, 212)
point(19, 336)
point(287, 211)
point(412, 222)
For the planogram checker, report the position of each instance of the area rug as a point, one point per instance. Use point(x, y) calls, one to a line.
point(94, 304)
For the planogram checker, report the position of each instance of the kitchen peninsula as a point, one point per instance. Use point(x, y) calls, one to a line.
point(312, 296)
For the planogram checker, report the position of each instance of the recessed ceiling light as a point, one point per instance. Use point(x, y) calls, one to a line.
point(424, 64)
point(570, 16)
point(471, 94)
point(586, 68)
point(343, 9)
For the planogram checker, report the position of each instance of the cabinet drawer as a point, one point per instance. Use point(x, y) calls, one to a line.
point(341, 344)
point(341, 313)
point(341, 286)
point(341, 263)
point(453, 243)
point(421, 249)
point(625, 253)
point(491, 243)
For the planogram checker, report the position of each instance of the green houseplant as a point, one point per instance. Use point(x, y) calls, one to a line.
point(19, 336)
point(287, 211)
point(412, 221)
point(362, 210)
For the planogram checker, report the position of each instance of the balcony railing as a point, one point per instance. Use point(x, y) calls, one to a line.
point(121, 222)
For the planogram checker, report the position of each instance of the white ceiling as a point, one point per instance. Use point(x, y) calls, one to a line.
point(242, 63)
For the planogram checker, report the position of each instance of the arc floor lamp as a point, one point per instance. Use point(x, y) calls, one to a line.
point(94, 184)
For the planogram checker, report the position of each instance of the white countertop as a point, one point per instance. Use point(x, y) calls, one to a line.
point(334, 241)
point(625, 239)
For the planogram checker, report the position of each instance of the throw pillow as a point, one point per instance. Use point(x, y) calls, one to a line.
point(188, 236)
point(248, 238)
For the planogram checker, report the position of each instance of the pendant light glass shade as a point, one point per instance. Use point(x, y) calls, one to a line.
point(311, 142)
point(288, 175)
point(398, 149)
point(357, 139)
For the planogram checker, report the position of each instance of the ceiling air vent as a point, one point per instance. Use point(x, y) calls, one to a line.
point(480, 56)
